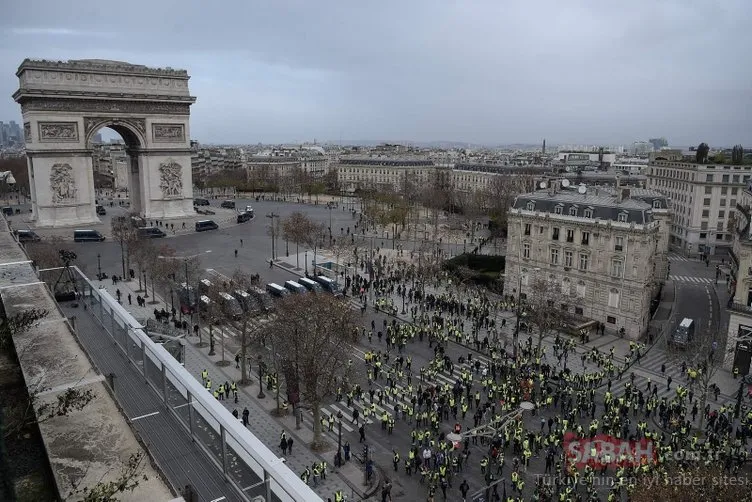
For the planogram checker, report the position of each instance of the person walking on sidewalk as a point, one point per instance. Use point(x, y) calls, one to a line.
point(245, 417)
point(204, 376)
point(130, 302)
point(283, 446)
point(289, 445)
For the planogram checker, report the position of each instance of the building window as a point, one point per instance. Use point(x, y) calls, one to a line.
point(724, 190)
point(567, 258)
point(734, 191)
point(705, 213)
point(572, 211)
point(558, 209)
point(708, 190)
point(555, 235)
point(554, 256)
point(526, 250)
point(619, 245)
point(735, 179)
point(570, 235)
point(657, 204)
point(709, 178)
point(578, 310)
point(617, 268)
point(613, 298)
point(588, 213)
point(527, 228)
point(530, 206)
point(583, 261)
point(703, 225)
point(719, 226)
point(622, 217)
point(723, 203)
point(703, 235)
point(585, 238)
point(611, 319)
point(721, 214)
point(581, 289)
point(706, 202)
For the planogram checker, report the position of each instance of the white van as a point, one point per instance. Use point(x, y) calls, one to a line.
point(329, 284)
point(277, 290)
point(310, 285)
point(295, 287)
point(230, 305)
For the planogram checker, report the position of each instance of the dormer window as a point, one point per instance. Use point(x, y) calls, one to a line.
point(657, 204)
point(531, 206)
point(572, 211)
point(588, 213)
point(623, 217)
point(558, 209)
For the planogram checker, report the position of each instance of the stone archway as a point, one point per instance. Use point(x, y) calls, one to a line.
point(65, 103)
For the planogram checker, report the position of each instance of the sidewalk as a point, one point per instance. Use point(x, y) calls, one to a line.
point(349, 478)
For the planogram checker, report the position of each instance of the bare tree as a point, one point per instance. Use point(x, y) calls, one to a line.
point(667, 486)
point(297, 228)
point(540, 308)
point(46, 253)
point(125, 233)
point(34, 411)
point(314, 335)
point(702, 358)
point(250, 333)
point(106, 491)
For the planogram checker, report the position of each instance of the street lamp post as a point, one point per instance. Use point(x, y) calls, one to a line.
point(99, 266)
point(305, 261)
point(338, 460)
point(146, 289)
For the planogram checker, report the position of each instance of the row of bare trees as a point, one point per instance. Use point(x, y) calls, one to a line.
point(308, 342)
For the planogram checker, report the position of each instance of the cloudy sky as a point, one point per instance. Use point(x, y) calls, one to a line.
point(483, 71)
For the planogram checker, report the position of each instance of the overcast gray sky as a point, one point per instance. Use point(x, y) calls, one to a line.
point(485, 71)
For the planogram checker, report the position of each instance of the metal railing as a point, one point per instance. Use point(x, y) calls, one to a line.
point(247, 464)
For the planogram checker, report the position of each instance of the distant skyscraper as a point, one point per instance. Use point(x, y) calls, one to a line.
point(98, 138)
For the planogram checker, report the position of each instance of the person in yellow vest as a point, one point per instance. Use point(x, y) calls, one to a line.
point(204, 376)
point(338, 496)
point(208, 385)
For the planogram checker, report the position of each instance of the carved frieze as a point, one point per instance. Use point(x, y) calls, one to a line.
point(55, 132)
point(171, 179)
point(103, 106)
point(100, 65)
point(27, 132)
point(62, 184)
point(168, 133)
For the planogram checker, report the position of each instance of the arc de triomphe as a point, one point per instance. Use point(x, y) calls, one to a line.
point(65, 103)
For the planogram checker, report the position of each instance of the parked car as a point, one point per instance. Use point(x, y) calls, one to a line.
point(204, 225)
point(228, 204)
point(200, 202)
point(8, 211)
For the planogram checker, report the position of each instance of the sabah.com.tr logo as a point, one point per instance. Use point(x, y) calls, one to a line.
point(603, 451)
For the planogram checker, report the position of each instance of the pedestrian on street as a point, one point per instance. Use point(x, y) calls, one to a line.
point(118, 294)
point(362, 431)
point(245, 417)
point(129, 299)
point(283, 446)
point(289, 445)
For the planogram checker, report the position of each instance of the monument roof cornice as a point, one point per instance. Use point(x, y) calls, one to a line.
point(99, 65)
point(24, 94)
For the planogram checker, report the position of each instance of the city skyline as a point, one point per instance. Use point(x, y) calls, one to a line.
point(584, 73)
